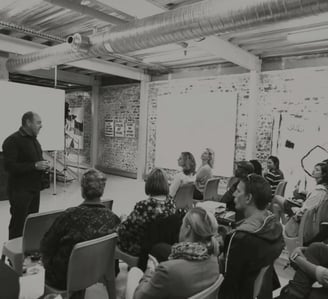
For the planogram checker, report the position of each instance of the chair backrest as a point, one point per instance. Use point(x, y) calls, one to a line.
point(36, 225)
point(311, 220)
point(281, 188)
point(211, 292)
point(184, 196)
point(259, 281)
point(90, 261)
point(108, 203)
point(211, 189)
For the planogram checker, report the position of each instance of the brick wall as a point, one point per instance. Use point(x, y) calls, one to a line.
point(303, 92)
point(82, 99)
point(119, 102)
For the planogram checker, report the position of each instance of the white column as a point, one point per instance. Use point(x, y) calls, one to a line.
point(143, 124)
point(94, 123)
point(254, 93)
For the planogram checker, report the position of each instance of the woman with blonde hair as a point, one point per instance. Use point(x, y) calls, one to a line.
point(194, 257)
point(204, 173)
point(188, 164)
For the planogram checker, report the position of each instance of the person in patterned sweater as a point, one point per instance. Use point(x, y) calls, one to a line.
point(85, 222)
point(132, 231)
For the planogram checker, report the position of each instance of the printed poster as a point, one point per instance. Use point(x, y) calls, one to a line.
point(119, 128)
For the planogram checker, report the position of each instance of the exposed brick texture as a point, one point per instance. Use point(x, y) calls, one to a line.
point(303, 92)
point(119, 102)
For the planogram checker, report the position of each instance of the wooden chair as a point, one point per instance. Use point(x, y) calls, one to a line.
point(211, 189)
point(91, 262)
point(281, 188)
point(259, 281)
point(211, 292)
point(36, 225)
point(184, 196)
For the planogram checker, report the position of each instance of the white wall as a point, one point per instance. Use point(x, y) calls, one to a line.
point(49, 103)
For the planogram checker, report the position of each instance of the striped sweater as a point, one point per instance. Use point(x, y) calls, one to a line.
point(274, 177)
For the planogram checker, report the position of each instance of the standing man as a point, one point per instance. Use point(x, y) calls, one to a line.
point(23, 161)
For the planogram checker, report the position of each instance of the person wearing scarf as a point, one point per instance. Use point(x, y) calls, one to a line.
point(192, 265)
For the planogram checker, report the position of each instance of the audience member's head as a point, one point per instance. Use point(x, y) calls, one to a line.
point(93, 183)
point(273, 163)
point(253, 193)
point(199, 225)
point(208, 157)
point(32, 123)
point(320, 173)
point(243, 168)
point(187, 162)
point(157, 183)
point(257, 166)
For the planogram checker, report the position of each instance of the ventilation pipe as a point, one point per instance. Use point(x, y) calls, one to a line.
point(186, 23)
point(75, 48)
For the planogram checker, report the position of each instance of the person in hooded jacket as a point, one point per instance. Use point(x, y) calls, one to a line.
point(256, 243)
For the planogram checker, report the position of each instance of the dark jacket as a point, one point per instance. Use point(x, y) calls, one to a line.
point(162, 230)
point(256, 243)
point(85, 222)
point(20, 152)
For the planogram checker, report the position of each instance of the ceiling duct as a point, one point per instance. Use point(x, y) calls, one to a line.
point(186, 23)
point(75, 48)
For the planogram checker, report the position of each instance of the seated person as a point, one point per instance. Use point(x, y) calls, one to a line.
point(243, 168)
point(188, 164)
point(192, 265)
point(162, 230)
point(256, 243)
point(131, 232)
point(257, 166)
point(88, 221)
point(204, 173)
point(274, 175)
point(311, 266)
point(314, 199)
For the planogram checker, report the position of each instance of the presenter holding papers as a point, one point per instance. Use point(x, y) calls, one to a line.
point(24, 162)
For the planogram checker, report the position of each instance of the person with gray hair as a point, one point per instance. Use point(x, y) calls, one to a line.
point(85, 222)
point(194, 257)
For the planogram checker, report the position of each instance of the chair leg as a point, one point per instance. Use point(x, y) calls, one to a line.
point(111, 288)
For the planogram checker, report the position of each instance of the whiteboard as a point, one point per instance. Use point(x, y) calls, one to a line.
point(49, 103)
point(193, 123)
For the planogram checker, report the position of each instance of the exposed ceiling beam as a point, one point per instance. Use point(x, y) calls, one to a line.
point(139, 9)
point(19, 46)
point(101, 66)
point(221, 48)
point(85, 10)
point(61, 76)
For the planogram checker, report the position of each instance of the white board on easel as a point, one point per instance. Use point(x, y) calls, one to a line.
point(193, 123)
point(49, 103)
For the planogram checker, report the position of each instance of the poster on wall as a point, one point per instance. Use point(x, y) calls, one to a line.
point(74, 119)
point(119, 128)
point(130, 129)
point(109, 128)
